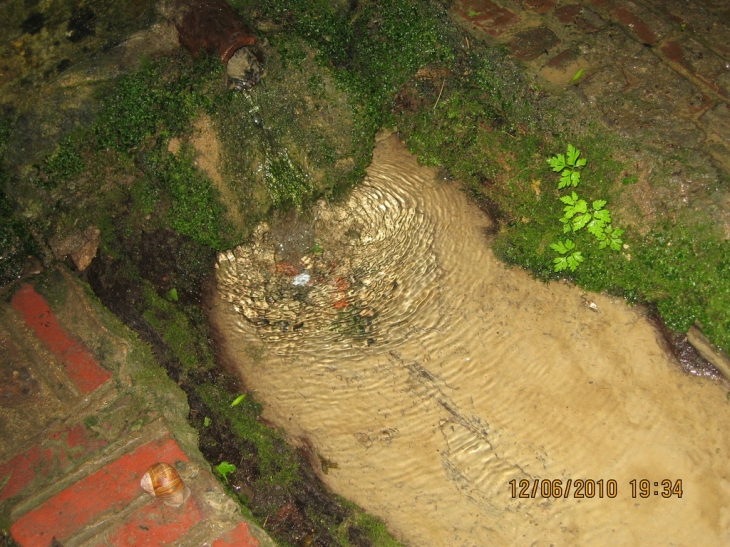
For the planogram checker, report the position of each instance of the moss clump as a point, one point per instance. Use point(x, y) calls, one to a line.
point(194, 208)
point(183, 342)
point(159, 100)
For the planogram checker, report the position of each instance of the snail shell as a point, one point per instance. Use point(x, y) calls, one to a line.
point(163, 481)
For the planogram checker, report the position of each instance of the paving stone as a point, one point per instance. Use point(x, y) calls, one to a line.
point(647, 27)
point(486, 16)
point(582, 17)
point(529, 44)
point(538, 6)
point(701, 62)
point(608, 80)
point(563, 59)
point(711, 25)
point(717, 120)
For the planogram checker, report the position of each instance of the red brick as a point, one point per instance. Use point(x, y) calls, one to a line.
point(154, 525)
point(79, 440)
point(584, 19)
point(567, 14)
point(109, 489)
point(80, 365)
point(240, 536)
point(23, 469)
point(486, 16)
point(639, 27)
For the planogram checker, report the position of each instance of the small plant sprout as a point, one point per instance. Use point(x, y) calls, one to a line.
point(568, 166)
point(570, 259)
point(206, 421)
point(224, 468)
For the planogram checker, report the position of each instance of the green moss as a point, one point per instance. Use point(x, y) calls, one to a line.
point(181, 338)
point(158, 100)
point(194, 208)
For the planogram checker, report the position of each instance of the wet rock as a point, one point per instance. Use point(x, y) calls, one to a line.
point(530, 44)
point(80, 246)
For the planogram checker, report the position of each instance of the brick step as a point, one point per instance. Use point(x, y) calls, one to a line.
point(106, 506)
point(77, 361)
point(82, 435)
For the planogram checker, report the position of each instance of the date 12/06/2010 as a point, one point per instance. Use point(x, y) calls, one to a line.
point(589, 488)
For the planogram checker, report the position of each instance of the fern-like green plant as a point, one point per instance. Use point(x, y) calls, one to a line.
point(568, 166)
point(578, 214)
point(570, 259)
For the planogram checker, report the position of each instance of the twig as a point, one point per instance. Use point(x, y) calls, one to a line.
point(440, 92)
point(467, 42)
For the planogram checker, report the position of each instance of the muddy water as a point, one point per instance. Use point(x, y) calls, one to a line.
point(428, 376)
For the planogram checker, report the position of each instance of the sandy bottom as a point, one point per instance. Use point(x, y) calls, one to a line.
point(431, 377)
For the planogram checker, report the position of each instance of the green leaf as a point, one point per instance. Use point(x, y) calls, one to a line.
point(581, 162)
point(569, 244)
point(206, 421)
point(574, 259)
point(596, 228)
point(559, 247)
point(633, 179)
point(565, 179)
point(598, 204)
point(172, 295)
point(560, 264)
point(581, 206)
point(557, 163)
point(573, 154)
point(575, 178)
point(238, 400)
point(580, 221)
point(577, 76)
point(569, 200)
point(224, 468)
point(603, 215)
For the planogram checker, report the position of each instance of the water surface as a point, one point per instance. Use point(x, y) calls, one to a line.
point(427, 376)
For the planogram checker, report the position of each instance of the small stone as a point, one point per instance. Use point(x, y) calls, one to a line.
point(81, 246)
